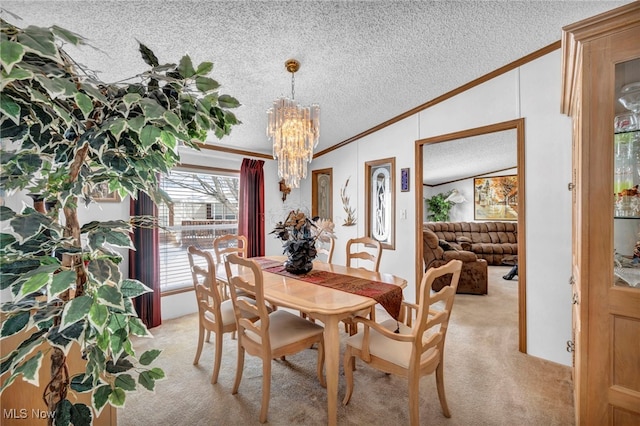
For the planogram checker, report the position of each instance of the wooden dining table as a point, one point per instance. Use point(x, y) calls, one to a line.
point(325, 304)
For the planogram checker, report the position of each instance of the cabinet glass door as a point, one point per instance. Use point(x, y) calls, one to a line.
point(626, 178)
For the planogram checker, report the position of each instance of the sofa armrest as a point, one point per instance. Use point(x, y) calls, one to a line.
point(463, 255)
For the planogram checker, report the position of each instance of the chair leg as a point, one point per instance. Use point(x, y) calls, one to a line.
point(208, 336)
point(239, 368)
point(440, 387)
point(348, 365)
point(414, 400)
point(266, 389)
point(200, 343)
point(218, 358)
point(320, 368)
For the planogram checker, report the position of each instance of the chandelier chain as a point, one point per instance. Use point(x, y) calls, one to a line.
point(293, 86)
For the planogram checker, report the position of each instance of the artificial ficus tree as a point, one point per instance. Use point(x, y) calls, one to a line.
point(65, 133)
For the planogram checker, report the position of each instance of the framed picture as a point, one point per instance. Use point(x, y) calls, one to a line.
point(404, 180)
point(102, 194)
point(496, 198)
point(380, 201)
point(322, 194)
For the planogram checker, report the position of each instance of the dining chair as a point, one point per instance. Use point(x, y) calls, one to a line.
point(327, 250)
point(274, 335)
point(359, 248)
point(413, 348)
point(214, 314)
point(225, 245)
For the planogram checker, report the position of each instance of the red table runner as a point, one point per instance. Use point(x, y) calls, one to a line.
point(387, 295)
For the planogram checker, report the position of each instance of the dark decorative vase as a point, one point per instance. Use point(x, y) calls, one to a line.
point(300, 261)
point(298, 267)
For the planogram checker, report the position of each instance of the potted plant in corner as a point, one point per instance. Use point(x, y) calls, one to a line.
point(438, 207)
point(63, 134)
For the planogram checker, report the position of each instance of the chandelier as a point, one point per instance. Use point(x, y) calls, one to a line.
point(294, 131)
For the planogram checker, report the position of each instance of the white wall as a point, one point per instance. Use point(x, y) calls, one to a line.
point(462, 212)
point(548, 209)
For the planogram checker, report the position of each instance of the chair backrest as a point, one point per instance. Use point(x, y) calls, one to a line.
point(230, 243)
point(430, 327)
point(245, 276)
point(372, 256)
point(327, 250)
point(205, 284)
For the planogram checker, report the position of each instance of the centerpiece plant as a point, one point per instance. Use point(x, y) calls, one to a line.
point(299, 234)
point(64, 134)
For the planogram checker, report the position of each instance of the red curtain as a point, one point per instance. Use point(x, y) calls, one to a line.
point(144, 262)
point(251, 206)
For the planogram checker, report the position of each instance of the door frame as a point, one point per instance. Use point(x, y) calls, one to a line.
point(518, 125)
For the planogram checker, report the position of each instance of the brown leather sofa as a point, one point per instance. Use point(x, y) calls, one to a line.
point(496, 242)
point(474, 275)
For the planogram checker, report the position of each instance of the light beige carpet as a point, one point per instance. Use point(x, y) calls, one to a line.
point(487, 381)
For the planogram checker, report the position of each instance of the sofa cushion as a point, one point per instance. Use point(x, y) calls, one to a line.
point(446, 246)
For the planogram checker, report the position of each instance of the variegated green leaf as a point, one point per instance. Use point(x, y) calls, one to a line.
point(149, 356)
point(185, 67)
point(61, 282)
point(171, 118)
point(133, 288)
point(10, 54)
point(110, 296)
point(204, 68)
point(75, 310)
point(68, 36)
point(168, 139)
point(84, 103)
point(137, 327)
point(136, 123)
point(10, 108)
point(98, 316)
point(36, 279)
point(81, 415)
point(15, 323)
point(117, 397)
point(119, 239)
point(100, 397)
point(126, 382)
point(149, 135)
point(63, 114)
point(117, 127)
point(147, 381)
point(151, 109)
point(81, 383)
point(30, 369)
point(15, 74)
point(130, 99)
point(227, 101)
point(205, 84)
point(40, 41)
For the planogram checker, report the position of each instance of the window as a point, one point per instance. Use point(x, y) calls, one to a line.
point(204, 206)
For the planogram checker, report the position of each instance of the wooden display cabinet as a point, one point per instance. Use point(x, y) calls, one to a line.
point(601, 55)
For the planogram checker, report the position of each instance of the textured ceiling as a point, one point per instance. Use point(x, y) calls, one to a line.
point(363, 62)
point(469, 157)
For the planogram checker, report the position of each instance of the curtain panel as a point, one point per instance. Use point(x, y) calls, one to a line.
point(251, 206)
point(144, 262)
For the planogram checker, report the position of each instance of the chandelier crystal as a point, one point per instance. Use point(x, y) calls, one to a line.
point(294, 131)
